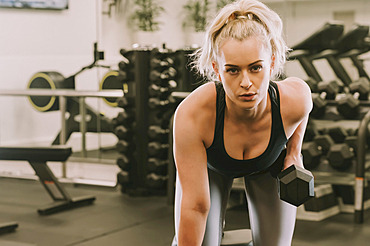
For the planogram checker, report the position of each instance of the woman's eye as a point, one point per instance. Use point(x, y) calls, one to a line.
point(256, 68)
point(232, 70)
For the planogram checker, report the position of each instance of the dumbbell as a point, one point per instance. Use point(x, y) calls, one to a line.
point(126, 117)
point(123, 162)
point(329, 89)
point(158, 150)
point(340, 156)
point(319, 106)
point(324, 142)
point(156, 181)
point(362, 87)
point(348, 106)
point(126, 102)
point(160, 118)
point(167, 74)
point(123, 132)
point(123, 146)
point(159, 91)
point(157, 166)
point(337, 133)
point(161, 64)
point(333, 146)
point(312, 154)
point(157, 133)
point(123, 177)
point(296, 185)
point(311, 131)
point(155, 103)
point(352, 139)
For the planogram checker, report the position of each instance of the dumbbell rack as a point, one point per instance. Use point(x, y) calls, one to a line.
point(355, 176)
point(149, 77)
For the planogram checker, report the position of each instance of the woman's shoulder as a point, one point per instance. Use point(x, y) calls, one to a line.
point(197, 112)
point(199, 101)
point(295, 91)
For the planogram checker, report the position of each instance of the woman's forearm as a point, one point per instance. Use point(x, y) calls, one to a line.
point(192, 227)
point(294, 145)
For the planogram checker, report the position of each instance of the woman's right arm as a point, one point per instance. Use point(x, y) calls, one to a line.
point(191, 162)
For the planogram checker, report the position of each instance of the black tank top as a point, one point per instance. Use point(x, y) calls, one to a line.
point(217, 158)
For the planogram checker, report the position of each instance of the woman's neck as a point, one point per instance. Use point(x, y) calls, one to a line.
point(240, 115)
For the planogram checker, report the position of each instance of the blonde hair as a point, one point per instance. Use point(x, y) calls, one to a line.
point(241, 20)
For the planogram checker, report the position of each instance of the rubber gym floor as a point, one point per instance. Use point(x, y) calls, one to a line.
point(117, 219)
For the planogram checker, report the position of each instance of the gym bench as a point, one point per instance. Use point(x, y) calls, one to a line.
point(38, 158)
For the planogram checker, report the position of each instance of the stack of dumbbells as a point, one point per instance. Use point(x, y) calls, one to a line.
point(142, 125)
point(335, 145)
point(331, 138)
point(334, 102)
point(126, 123)
point(163, 81)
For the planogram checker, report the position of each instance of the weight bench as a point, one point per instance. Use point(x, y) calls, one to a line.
point(37, 158)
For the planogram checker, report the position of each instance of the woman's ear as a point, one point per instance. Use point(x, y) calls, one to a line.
point(215, 69)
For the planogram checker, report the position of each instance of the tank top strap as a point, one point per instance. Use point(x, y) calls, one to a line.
point(220, 98)
point(274, 94)
point(220, 112)
point(276, 112)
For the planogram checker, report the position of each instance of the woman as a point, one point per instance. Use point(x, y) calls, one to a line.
point(238, 127)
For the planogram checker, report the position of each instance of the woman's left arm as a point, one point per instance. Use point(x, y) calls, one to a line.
point(299, 94)
point(294, 146)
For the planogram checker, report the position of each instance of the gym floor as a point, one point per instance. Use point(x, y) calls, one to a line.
point(117, 219)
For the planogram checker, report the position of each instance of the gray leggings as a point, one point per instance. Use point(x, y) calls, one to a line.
point(272, 221)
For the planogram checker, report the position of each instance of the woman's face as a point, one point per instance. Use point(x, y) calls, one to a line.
point(244, 67)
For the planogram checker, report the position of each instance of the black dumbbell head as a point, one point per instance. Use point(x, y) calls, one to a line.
point(340, 156)
point(296, 185)
point(337, 133)
point(361, 86)
point(331, 88)
point(311, 154)
point(348, 107)
point(324, 141)
point(319, 106)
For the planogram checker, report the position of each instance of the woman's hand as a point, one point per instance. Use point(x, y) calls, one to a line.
point(293, 160)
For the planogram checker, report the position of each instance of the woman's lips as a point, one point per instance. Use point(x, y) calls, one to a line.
point(248, 97)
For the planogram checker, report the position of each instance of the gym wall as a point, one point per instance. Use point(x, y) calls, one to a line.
point(35, 40)
point(42, 40)
point(302, 18)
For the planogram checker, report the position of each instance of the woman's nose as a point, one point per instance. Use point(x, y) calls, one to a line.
point(246, 83)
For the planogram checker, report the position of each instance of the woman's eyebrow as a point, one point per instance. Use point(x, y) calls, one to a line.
point(232, 65)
